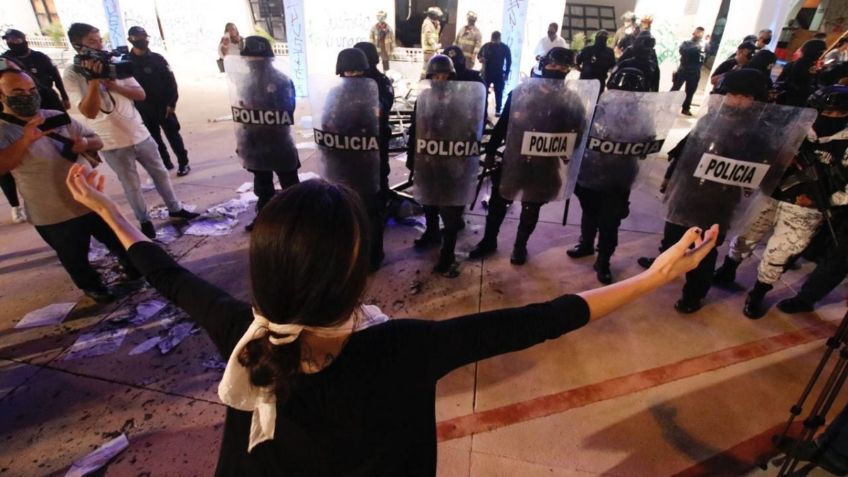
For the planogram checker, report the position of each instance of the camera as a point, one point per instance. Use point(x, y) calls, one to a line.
point(110, 70)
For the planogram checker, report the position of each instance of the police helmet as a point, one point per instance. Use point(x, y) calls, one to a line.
point(351, 59)
point(833, 98)
point(370, 51)
point(628, 79)
point(457, 57)
point(435, 12)
point(257, 46)
point(440, 64)
point(558, 56)
point(471, 16)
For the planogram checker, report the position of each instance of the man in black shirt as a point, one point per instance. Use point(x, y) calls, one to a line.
point(689, 72)
point(744, 53)
point(595, 60)
point(497, 61)
point(40, 69)
point(154, 74)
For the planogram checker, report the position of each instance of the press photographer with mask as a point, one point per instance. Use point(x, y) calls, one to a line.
point(319, 384)
point(104, 92)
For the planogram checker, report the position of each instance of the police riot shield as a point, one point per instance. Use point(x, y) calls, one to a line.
point(262, 101)
point(448, 129)
point(738, 151)
point(346, 129)
point(548, 124)
point(628, 126)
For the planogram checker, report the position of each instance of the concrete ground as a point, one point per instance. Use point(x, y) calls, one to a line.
point(643, 392)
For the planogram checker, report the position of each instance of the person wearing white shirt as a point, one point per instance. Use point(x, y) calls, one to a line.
point(106, 106)
point(547, 42)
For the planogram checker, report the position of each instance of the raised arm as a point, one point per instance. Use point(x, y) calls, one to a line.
point(221, 315)
point(454, 343)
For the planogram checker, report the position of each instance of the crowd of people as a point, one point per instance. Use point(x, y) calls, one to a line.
point(307, 351)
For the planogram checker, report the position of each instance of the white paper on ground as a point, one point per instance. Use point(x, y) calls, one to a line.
point(146, 346)
point(49, 315)
point(99, 457)
point(210, 226)
point(160, 212)
point(96, 343)
point(247, 186)
point(96, 251)
point(146, 310)
point(167, 234)
point(176, 335)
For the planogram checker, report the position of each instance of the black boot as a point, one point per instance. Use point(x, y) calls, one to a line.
point(726, 273)
point(432, 235)
point(687, 305)
point(489, 244)
point(754, 308)
point(602, 267)
point(793, 305)
point(447, 265)
point(580, 250)
point(519, 250)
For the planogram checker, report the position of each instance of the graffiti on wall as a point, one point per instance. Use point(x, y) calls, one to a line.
point(297, 45)
point(114, 24)
point(514, 18)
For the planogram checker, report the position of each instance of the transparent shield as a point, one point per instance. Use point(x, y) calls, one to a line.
point(548, 125)
point(448, 129)
point(735, 154)
point(345, 121)
point(627, 128)
point(262, 101)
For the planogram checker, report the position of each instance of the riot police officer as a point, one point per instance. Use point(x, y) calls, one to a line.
point(440, 192)
point(361, 62)
point(263, 112)
point(546, 180)
point(605, 203)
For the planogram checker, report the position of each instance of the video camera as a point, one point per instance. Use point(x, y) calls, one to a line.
point(110, 70)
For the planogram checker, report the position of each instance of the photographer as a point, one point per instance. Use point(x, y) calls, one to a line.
point(104, 93)
point(39, 163)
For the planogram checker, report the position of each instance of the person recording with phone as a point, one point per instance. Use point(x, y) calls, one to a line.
point(38, 147)
point(104, 91)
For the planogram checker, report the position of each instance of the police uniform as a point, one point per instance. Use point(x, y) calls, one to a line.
point(153, 73)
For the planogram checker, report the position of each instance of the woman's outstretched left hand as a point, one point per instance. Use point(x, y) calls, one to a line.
point(86, 186)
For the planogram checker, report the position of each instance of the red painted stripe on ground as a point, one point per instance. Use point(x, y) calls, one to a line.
point(741, 458)
point(543, 406)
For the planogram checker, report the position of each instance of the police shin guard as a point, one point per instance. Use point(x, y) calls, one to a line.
point(726, 273)
point(489, 243)
point(754, 308)
point(447, 265)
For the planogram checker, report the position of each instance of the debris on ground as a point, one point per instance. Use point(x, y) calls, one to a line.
point(307, 176)
point(175, 336)
point(415, 288)
point(99, 458)
point(97, 251)
point(49, 315)
point(146, 346)
point(160, 212)
point(214, 362)
point(246, 187)
point(167, 234)
point(96, 343)
point(146, 310)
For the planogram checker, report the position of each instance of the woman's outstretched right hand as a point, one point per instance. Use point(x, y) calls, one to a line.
point(686, 254)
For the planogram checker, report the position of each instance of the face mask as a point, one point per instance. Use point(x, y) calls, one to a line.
point(140, 44)
point(826, 126)
point(24, 105)
point(19, 49)
point(553, 74)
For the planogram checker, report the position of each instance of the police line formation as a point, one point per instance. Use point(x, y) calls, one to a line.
point(748, 164)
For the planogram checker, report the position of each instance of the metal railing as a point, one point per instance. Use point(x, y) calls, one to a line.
point(41, 41)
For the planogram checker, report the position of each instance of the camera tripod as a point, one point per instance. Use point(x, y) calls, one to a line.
point(796, 450)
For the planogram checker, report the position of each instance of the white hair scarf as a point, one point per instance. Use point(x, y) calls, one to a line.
point(235, 389)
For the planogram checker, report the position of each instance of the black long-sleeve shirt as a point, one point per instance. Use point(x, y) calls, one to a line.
point(154, 74)
point(497, 60)
point(372, 411)
point(43, 71)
